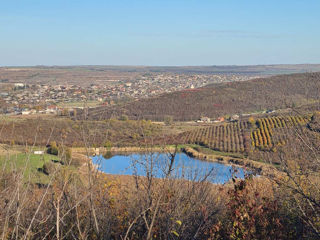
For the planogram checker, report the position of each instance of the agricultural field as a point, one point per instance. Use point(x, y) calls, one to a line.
point(251, 137)
point(245, 136)
point(263, 136)
point(229, 137)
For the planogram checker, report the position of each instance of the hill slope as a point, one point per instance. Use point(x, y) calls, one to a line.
point(215, 100)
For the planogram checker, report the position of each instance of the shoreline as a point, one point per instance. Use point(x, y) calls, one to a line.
point(260, 168)
point(102, 150)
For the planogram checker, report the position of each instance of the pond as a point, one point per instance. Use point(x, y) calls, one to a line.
point(158, 164)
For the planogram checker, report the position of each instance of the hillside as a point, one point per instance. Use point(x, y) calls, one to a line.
point(258, 139)
point(41, 131)
point(216, 100)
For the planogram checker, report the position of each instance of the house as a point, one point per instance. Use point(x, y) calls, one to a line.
point(52, 109)
point(26, 112)
point(205, 119)
point(220, 119)
point(19, 85)
point(234, 118)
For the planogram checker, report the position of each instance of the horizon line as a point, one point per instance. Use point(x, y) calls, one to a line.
point(173, 66)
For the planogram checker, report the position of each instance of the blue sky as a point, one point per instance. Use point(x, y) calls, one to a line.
point(162, 32)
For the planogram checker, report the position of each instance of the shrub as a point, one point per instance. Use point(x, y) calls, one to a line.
point(250, 215)
point(123, 118)
point(108, 144)
point(48, 168)
point(53, 149)
point(65, 155)
point(168, 120)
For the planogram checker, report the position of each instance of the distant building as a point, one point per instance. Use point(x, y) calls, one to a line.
point(205, 119)
point(26, 112)
point(220, 119)
point(270, 111)
point(52, 109)
point(38, 152)
point(19, 85)
point(4, 94)
point(234, 118)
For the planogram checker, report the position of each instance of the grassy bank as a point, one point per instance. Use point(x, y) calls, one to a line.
point(28, 163)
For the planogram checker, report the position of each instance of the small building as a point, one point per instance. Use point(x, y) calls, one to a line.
point(234, 118)
point(270, 111)
point(26, 112)
point(38, 152)
point(19, 85)
point(219, 120)
point(205, 119)
point(53, 109)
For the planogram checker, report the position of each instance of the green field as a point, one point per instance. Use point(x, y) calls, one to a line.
point(28, 164)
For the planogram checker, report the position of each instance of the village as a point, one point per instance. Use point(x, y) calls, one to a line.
point(29, 98)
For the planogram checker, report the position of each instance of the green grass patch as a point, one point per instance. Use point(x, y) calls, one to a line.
point(206, 150)
point(28, 164)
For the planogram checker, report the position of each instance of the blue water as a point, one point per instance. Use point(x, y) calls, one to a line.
point(158, 164)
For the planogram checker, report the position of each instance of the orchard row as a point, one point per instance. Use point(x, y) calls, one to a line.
point(261, 134)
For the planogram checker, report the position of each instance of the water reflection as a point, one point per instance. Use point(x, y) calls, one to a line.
point(158, 165)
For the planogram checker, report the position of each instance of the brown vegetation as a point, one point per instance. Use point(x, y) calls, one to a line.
point(86, 204)
point(95, 206)
point(41, 131)
point(217, 100)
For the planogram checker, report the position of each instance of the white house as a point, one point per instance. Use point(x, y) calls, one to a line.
point(205, 120)
point(52, 109)
point(26, 112)
point(20, 85)
point(235, 117)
